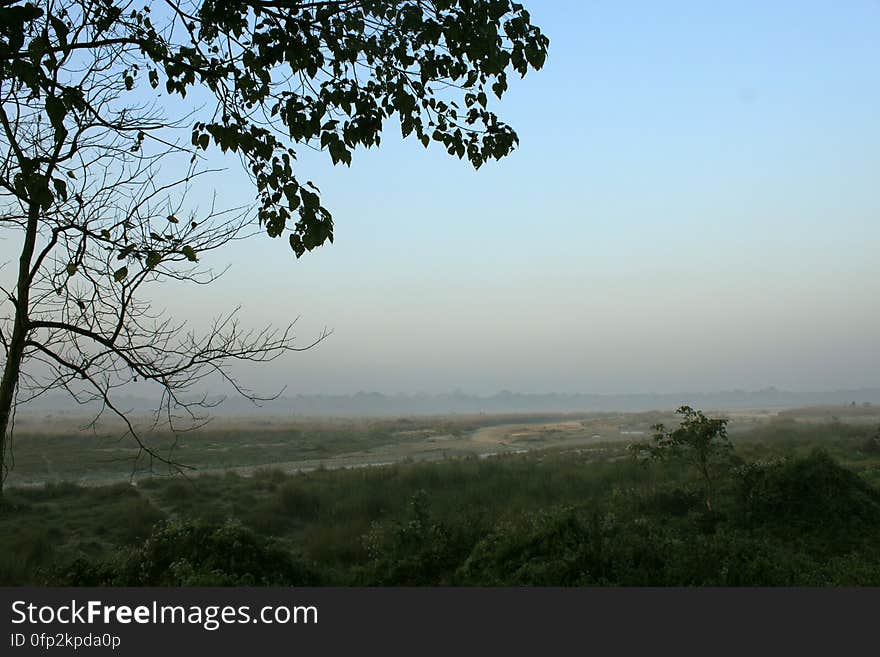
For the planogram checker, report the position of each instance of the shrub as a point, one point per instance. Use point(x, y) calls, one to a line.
point(295, 501)
point(547, 548)
point(196, 554)
point(812, 495)
point(417, 551)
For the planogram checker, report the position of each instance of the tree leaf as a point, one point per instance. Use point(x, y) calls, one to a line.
point(61, 31)
point(60, 188)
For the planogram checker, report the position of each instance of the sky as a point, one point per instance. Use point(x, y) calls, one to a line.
point(693, 207)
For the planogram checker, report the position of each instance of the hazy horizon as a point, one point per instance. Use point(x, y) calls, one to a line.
point(376, 404)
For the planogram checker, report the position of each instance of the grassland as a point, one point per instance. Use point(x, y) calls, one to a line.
point(560, 501)
point(57, 449)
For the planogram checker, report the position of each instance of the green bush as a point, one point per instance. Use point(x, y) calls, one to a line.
point(196, 554)
point(550, 518)
point(417, 550)
point(295, 501)
point(547, 548)
point(812, 495)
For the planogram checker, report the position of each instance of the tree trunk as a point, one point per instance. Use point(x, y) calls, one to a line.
point(19, 336)
point(707, 479)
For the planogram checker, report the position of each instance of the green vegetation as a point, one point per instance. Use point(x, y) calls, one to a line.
point(798, 505)
point(698, 440)
point(62, 452)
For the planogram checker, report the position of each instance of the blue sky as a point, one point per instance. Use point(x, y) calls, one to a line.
point(694, 206)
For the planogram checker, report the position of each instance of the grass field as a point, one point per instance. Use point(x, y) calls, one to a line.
point(560, 502)
point(57, 449)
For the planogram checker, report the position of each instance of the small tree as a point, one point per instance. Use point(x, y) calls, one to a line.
point(699, 441)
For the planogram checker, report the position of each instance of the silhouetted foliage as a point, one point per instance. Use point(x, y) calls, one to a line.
point(83, 140)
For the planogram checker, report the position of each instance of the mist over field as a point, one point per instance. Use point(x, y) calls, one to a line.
point(365, 404)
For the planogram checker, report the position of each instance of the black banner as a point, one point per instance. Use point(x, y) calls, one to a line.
point(227, 621)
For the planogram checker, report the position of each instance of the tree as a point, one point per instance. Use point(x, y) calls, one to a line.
point(698, 440)
point(82, 137)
